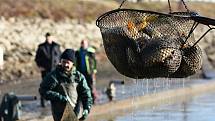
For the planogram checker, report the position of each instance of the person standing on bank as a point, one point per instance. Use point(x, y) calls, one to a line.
point(47, 57)
point(65, 76)
point(86, 64)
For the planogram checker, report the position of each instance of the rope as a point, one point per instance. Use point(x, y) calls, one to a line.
point(170, 9)
point(67, 96)
point(185, 6)
point(121, 4)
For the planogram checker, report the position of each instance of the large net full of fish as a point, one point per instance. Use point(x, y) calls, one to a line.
point(146, 44)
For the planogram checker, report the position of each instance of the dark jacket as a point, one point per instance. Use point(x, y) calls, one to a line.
point(45, 59)
point(90, 60)
point(51, 89)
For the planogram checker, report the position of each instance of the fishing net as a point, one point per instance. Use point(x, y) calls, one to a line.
point(69, 114)
point(146, 44)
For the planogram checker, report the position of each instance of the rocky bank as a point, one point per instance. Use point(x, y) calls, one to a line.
point(20, 38)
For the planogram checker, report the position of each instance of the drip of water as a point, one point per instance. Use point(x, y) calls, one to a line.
point(154, 86)
point(150, 86)
point(147, 86)
point(137, 86)
point(123, 86)
point(169, 87)
point(183, 85)
point(133, 97)
point(142, 87)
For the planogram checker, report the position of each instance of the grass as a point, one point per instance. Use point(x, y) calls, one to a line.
point(51, 9)
point(85, 10)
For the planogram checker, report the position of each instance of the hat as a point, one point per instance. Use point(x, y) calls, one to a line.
point(47, 34)
point(68, 54)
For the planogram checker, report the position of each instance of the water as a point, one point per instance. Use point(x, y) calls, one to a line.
point(185, 111)
point(149, 86)
point(201, 108)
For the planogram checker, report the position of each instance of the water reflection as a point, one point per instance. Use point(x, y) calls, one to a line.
point(149, 86)
point(200, 108)
point(196, 109)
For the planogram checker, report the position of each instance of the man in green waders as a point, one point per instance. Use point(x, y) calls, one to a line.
point(65, 85)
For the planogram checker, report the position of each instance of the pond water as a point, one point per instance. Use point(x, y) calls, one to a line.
point(201, 108)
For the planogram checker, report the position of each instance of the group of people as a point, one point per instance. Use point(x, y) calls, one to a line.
point(67, 77)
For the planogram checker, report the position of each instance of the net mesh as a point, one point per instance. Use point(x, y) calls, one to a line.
point(144, 44)
point(69, 114)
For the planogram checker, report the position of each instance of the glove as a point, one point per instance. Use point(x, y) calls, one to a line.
point(63, 99)
point(84, 115)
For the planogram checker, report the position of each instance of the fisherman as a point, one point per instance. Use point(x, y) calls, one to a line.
point(47, 57)
point(10, 107)
point(111, 91)
point(65, 76)
point(86, 64)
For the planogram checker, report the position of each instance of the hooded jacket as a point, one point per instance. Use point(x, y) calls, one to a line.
point(76, 88)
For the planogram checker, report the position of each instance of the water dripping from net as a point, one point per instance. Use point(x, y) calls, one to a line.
point(144, 86)
point(183, 82)
point(123, 86)
point(134, 86)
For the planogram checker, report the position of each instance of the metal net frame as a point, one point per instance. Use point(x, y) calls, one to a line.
point(147, 44)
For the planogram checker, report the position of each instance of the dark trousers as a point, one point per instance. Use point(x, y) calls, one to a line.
point(89, 80)
point(42, 100)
